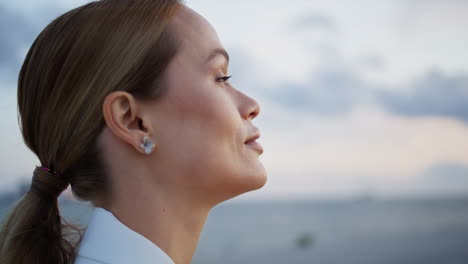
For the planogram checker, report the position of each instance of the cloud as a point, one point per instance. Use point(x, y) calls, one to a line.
point(366, 149)
point(336, 91)
point(327, 92)
point(443, 178)
point(318, 132)
point(20, 24)
point(15, 32)
point(365, 142)
point(451, 174)
point(313, 20)
point(434, 94)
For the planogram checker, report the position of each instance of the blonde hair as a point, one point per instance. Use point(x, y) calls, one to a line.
point(73, 64)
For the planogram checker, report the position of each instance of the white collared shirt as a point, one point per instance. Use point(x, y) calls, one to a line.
point(109, 241)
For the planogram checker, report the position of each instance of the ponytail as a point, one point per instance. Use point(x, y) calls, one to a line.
point(33, 231)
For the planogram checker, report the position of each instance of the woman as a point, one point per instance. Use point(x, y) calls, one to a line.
point(129, 102)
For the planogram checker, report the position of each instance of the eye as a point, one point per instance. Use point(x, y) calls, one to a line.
point(224, 78)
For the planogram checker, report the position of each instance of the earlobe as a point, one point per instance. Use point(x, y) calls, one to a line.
point(147, 145)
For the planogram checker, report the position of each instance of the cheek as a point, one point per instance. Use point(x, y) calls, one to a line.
point(212, 125)
point(209, 112)
point(209, 151)
point(205, 127)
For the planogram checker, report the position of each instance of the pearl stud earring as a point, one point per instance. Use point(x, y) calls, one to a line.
point(147, 145)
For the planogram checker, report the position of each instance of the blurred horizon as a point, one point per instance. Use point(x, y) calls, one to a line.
point(363, 99)
point(362, 231)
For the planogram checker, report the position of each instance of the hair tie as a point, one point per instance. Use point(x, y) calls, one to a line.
point(49, 170)
point(48, 183)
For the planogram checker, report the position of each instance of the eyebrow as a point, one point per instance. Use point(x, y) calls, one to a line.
point(217, 52)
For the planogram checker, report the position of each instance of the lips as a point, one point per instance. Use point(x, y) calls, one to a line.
point(252, 139)
point(254, 144)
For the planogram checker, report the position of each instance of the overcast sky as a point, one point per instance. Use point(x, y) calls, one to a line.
point(356, 96)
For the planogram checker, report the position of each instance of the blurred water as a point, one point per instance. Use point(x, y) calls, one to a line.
point(398, 231)
point(424, 231)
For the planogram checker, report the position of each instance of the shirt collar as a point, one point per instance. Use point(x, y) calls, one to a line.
point(108, 240)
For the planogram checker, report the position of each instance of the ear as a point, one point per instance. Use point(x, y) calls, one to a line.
point(123, 117)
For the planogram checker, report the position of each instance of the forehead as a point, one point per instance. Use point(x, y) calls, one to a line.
point(198, 37)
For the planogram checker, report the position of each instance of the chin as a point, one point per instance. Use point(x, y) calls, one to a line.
point(232, 185)
point(250, 182)
point(256, 180)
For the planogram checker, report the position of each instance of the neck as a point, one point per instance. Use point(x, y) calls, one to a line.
point(167, 218)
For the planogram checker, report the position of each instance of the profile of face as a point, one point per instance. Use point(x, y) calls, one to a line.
point(202, 122)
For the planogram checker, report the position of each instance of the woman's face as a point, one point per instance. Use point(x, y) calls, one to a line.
point(202, 122)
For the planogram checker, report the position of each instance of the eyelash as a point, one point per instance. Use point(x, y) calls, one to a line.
point(224, 78)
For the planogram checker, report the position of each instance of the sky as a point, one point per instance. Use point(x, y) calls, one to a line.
point(356, 97)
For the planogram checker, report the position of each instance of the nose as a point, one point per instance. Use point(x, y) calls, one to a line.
point(250, 108)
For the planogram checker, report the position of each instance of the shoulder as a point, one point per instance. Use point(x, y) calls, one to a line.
point(109, 241)
point(85, 260)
